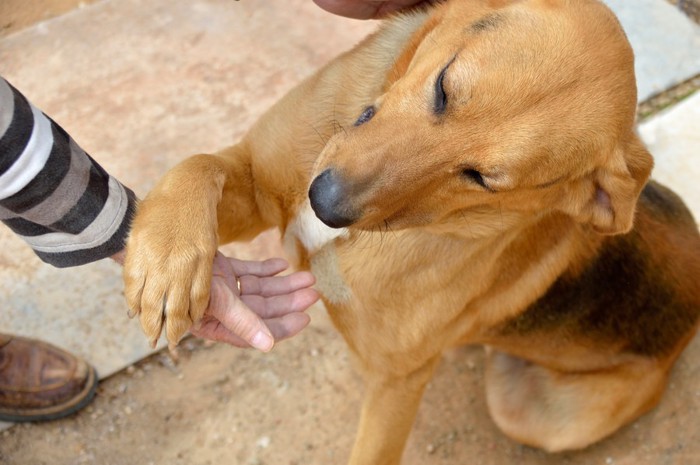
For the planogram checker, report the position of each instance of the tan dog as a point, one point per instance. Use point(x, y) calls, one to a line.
point(478, 168)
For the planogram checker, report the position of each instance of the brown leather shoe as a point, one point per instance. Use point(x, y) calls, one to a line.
point(41, 382)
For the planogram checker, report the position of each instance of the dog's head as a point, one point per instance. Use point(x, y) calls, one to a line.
point(494, 110)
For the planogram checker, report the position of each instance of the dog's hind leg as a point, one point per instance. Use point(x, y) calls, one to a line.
point(559, 411)
point(389, 409)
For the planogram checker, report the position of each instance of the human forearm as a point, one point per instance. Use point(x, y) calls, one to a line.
point(52, 194)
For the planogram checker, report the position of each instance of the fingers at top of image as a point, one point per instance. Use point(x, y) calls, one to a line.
point(364, 9)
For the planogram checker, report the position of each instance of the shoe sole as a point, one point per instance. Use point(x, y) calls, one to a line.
point(56, 411)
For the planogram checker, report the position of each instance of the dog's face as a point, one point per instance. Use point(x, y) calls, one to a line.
point(495, 110)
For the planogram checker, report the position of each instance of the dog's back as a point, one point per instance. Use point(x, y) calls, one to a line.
point(639, 294)
point(596, 349)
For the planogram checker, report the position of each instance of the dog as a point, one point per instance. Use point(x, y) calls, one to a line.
point(468, 174)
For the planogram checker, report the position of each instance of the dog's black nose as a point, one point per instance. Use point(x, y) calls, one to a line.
point(327, 196)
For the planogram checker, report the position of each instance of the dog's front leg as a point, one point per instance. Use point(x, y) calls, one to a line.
point(388, 412)
point(175, 235)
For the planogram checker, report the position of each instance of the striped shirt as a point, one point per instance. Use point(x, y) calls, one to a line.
point(54, 195)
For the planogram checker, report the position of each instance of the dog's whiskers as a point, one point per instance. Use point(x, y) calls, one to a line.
point(324, 140)
point(336, 121)
point(467, 223)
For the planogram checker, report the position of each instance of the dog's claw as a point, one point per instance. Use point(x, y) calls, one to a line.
point(174, 354)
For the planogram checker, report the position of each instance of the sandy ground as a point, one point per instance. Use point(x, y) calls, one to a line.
point(299, 404)
point(18, 14)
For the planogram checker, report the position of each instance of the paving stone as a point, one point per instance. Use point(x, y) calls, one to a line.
point(666, 43)
point(673, 137)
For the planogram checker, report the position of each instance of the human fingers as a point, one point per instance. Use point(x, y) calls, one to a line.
point(288, 325)
point(269, 267)
point(211, 329)
point(235, 315)
point(281, 328)
point(275, 285)
point(364, 9)
point(276, 306)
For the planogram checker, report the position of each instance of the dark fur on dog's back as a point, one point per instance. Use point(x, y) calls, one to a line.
point(628, 294)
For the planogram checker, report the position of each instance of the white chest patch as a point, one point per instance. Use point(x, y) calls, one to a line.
point(317, 239)
point(329, 281)
point(311, 231)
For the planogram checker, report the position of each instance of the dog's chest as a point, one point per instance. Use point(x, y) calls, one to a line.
point(318, 240)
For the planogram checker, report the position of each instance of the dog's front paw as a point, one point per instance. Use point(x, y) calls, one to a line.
point(168, 267)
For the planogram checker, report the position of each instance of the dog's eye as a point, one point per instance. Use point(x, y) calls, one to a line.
point(366, 115)
point(440, 104)
point(475, 176)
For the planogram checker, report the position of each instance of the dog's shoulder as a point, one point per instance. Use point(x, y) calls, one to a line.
point(662, 203)
point(639, 292)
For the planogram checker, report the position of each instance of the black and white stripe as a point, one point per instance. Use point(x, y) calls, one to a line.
point(53, 194)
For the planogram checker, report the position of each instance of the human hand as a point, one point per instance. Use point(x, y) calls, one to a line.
point(264, 309)
point(249, 306)
point(366, 9)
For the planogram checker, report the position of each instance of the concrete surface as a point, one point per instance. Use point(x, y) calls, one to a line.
point(666, 43)
point(673, 136)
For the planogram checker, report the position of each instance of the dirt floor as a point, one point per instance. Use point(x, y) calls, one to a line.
point(15, 15)
point(299, 404)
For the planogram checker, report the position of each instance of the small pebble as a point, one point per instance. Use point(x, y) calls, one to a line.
point(263, 442)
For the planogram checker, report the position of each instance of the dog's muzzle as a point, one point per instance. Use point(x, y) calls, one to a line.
point(329, 200)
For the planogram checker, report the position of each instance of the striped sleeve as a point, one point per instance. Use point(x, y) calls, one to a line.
point(53, 194)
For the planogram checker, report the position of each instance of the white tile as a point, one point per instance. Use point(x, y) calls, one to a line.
point(665, 41)
point(673, 137)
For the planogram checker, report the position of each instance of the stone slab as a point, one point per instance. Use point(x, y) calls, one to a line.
point(673, 137)
point(665, 41)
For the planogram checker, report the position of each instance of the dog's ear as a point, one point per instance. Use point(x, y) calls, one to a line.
point(404, 60)
point(608, 196)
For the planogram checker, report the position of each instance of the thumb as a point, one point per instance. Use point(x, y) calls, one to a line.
point(235, 316)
